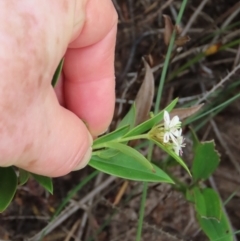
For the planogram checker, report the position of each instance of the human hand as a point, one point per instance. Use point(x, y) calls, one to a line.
point(37, 133)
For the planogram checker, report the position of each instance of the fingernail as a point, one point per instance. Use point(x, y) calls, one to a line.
point(90, 137)
point(84, 160)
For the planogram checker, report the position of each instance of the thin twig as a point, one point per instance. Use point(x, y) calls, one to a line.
point(26, 217)
point(193, 17)
point(227, 21)
point(70, 233)
point(71, 209)
point(225, 146)
point(215, 87)
point(86, 214)
point(156, 13)
point(237, 58)
point(182, 56)
point(217, 21)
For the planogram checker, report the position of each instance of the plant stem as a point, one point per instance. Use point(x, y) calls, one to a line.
point(130, 138)
point(141, 213)
point(143, 136)
point(166, 62)
point(156, 109)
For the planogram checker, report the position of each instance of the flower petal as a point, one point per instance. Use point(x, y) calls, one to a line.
point(166, 119)
point(173, 138)
point(166, 137)
point(174, 122)
point(177, 133)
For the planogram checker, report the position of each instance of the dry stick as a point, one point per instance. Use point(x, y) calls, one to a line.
point(71, 209)
point(215, 87)
point(181, 56)
point(233, 160)
point(193, 17)
point(82, 226)
point(70, 233)
point(231, 17)
point(208, 18)
point(86, 213)
point(227, 21)
point(165, 5)
point(174, 13)
point(26, 217)
point(124, 93)
point(155, 14)
point(120, 193)
point(163, 233)
point(230, 36)
point(221, 61)
point(217, 21)
point(237, 58)
point(225, 146)
point(192, 220)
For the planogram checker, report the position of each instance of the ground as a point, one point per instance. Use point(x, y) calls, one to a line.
point(94, 214)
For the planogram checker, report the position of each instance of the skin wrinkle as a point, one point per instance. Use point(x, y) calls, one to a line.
point(32, 162)
point(27, 147)
point(57, 40)
point(40, 80)
point(76, 157)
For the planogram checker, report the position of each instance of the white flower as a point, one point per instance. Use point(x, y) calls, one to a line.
point(177, 146)
point(169, 133)
point(171, 128)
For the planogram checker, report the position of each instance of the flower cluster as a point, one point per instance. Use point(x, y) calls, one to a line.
point(169, 133)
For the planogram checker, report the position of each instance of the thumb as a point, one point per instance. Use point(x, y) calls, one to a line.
point(60, 140)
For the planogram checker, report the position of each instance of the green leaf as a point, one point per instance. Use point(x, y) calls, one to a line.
point(109, 153)
point(23, 176)
point(124, 166)
point(195, 140)
point(207, 203)
point(147, 125)
point(8, 186)
point(57, 73)
point(173, 155)
point(216, 230)
point(210, 214)
point(129, 151)
point(46, 182)
point(206, 160)
point(129, 119)
point(111, 136)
